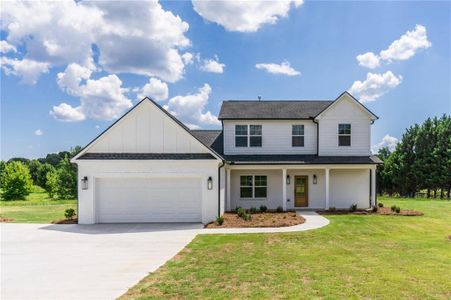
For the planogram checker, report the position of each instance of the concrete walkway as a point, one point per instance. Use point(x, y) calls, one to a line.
point(102, 261)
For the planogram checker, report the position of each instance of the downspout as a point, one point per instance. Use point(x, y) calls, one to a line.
point(219, 187)
point(317, 136)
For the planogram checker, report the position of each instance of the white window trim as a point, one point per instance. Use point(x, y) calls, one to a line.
point(344, 134)
point(253, 189)
point(249, 135)
point(242, 135)
point(293, 135)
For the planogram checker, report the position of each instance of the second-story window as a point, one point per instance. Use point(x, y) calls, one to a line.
point(344, 134)
point(297, 136)
point(248, 135)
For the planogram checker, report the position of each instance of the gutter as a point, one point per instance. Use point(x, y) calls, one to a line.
point(219, 187)
point(317, 135)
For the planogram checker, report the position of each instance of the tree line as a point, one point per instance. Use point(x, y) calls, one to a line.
point(420, 165)
point(54, 173)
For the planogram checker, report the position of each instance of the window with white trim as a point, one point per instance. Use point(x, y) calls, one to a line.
point(344, 134)
point(253, 186)
point(248, 135)
point(297, 136)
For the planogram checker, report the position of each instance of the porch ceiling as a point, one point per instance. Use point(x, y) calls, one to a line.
point(299, 159)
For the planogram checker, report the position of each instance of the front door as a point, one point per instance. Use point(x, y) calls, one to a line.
point(300, 191)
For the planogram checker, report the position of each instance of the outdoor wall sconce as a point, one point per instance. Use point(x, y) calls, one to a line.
point(288, 179)
point(315, 179)
point(84, 183)
point(210, 183)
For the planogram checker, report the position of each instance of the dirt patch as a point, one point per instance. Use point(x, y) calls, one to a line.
point(66, 221)
point(267, 219)
point(5, 220)
point(380, 211)
point(403, 212)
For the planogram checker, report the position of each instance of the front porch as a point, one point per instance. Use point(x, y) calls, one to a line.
point(300, 186)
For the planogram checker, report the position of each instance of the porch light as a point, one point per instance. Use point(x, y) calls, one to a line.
point(288, 179)
point(84, 183)
point(315, 179)
point(210, 183)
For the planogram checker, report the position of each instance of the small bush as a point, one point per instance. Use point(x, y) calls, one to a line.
point(380, 204)
point(398, 209)
point(332, 208)
point(263, 208)
point(240, 212)
point(393, 207)
point(374, 209)
point(353, 207)
point(220, 220)
point(253, 210)
point(69, 213)
point(279, 209)
point(247, 217)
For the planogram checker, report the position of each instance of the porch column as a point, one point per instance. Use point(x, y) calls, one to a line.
point(373, 186)
point(228, 190)
point(327, 188)
point(284, 189)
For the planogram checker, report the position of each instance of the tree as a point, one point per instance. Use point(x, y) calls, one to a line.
point(51, 183)
point(34, 165)
point(2, 171)
point(42, 174)
point(17, 181)
point(383, 180)
point(67, 179)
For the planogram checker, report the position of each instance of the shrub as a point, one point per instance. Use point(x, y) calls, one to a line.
point(279, 209)
point(374, 208)
point(16, 181)
point(398, 209)
point(380, 204)
point(332, 208)
point(51, 183)
point(353, 207)
point(247, 217)
point(240, 212)
point(253, 210)
point(220, 220)
point(393, 207)
point(263, 208)
point(69, 213)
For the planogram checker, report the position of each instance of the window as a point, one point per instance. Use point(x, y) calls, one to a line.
point(297, 136)
point(344, 134)
point(248, 135)
point(253, 186)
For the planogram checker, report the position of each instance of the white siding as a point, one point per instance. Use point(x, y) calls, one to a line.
point(349, 187)
point(147, 129)
point(276, 137)
point(345, 111)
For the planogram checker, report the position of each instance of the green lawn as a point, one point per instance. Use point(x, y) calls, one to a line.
point(37, 208)
point(356, 256)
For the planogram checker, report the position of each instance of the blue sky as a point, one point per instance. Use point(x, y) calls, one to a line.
point(43, 65)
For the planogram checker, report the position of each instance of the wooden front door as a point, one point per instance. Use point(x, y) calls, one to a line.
point(300, 191)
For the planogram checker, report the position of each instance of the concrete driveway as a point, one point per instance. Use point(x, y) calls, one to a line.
point(84, 261)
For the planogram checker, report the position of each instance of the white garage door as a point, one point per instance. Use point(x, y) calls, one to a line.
point(131, 200)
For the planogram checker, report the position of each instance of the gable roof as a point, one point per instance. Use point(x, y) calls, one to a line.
point(271, 109)
point(83, 151)
point(212, 138)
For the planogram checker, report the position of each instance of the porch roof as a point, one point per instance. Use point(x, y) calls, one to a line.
point(299, 159)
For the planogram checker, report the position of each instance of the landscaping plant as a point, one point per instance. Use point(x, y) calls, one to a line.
point(263, 208)
point(279, 209)
point(69, 213)
point(393, 208)
point(220, 220)
point(253, 210)
point(353, 207)
point(398, 209)
point(380, 204)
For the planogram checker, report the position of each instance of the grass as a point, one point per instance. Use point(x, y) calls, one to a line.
point(36, 208)
point(356, 256)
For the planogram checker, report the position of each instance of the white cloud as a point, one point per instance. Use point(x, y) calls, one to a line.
point(38, 132)
point(28, 70)
point(100, 99)
point(212, 65)
point(374, 86)
point(187, 58)
point(402, 49)
point(154, 89)
point(6, 47)
point(190, 108)
point(244, 16)
point(387, 141)
point(137, 37)
point(283, 68)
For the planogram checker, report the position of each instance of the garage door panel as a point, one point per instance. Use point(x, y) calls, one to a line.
point(148, 200)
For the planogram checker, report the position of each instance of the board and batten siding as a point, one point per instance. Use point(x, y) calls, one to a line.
point(147, 129)
point(276, 137)
point(345, 111)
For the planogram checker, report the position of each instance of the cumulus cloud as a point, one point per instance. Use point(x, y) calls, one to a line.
point(137, 37)
point(154, 89)
point(100, 99)
point(38, 132)
point(374, 86)
point(402, 49)
point(284, 68)
point(191, 108)
point(187, 58)
point(387, 141)
point(244, 16)
point(6, 47)
point(212, 65)
point(29, 70)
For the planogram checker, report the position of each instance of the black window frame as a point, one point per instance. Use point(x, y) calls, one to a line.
point(258, 184)
point(297, 136)
point(241, 135)
point(344, 135)
point(251, 136)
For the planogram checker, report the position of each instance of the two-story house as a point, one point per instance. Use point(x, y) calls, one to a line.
point(149, 167)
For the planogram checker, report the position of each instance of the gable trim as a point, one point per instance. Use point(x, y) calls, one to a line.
point(369, 112)
point(90, 144)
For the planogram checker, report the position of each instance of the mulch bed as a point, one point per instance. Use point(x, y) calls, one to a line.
point(267, 219)
point(66, 221)
point(5, 220)
point(403, 212)
point(380, 211)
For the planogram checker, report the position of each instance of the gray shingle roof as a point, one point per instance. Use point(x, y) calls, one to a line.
point(300, 159)
point(146, 156)
point(210, 138)
point(282, 109)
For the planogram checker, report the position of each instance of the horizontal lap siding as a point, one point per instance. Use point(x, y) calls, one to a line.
point(349, 187)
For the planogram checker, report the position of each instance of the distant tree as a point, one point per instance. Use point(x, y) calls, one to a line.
point(17, 181)
point(42, 174)
point(2, 171)
point(74, 151)
point(67, 179)
point(383, 180)
point(34, 165)
point(51, 183)
point(21, 159)
point(53, 159)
